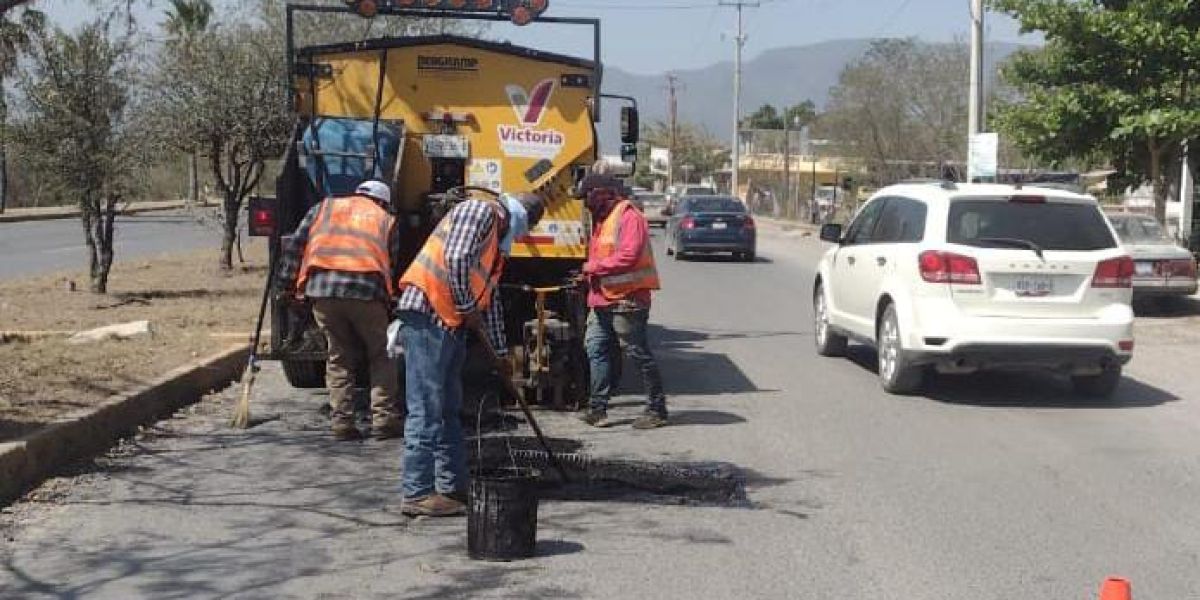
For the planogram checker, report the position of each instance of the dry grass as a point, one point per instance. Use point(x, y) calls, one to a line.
point(186, 298)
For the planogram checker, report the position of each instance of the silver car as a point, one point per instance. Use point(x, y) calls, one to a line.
point(1161, 267)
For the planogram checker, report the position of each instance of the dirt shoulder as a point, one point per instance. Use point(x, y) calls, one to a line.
point(193, 307)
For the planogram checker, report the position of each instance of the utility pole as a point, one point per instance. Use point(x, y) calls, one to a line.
point(975, 112)
point(1187, 191)
point(673, 110)
point(787, 163)
point(738, 43)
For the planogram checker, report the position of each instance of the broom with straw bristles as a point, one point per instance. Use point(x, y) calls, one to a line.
point(241, 412)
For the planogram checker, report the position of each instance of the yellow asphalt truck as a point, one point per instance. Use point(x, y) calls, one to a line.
point(440, 118)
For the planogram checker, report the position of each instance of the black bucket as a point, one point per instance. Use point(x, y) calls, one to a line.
point(502, 514)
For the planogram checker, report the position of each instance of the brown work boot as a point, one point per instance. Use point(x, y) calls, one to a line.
point(345, 431)
point(596, 418)
point(387, 428)
point(435, 505)
point(650, 420)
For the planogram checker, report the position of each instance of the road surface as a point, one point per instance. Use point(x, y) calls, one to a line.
point(986, 487)
point(35, 247)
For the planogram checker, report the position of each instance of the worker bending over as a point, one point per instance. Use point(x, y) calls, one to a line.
point(343, 257)
point(620, 274)
point(449, 290)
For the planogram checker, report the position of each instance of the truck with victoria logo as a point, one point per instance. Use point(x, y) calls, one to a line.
point(440, 118)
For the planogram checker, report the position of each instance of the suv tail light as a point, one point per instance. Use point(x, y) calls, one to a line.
point(262, 216)
point(948, 267)
point(1114, 273)
point(687, 223)
point(748, 222)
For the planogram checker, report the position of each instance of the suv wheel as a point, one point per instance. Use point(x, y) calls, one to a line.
point(828, 342)
point(1097, 386)
point(895, 372)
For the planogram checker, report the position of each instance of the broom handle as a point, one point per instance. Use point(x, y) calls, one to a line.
point(533, 424)
point(262, 310)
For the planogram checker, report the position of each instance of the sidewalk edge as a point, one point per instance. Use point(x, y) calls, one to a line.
point(26, 462)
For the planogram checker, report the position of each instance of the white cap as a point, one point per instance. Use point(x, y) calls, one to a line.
point(375, 189)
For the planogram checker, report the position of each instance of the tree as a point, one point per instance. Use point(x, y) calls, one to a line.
point(794, 117)
point(901, 108)
point(77, 131)
point(694, 146)
point(186, 21)
point(800, 115)
point(766, 117)
point(1113, 82)
point(227, 96)
point(16, 35)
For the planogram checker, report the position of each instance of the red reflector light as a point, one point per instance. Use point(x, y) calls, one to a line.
point(687, 223)
point(1028, 199)
point(1125, 345)
point(262, 221)
point(1114, 273)
point(948, 267)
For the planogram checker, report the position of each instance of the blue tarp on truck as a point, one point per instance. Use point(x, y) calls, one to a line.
point(341, 154)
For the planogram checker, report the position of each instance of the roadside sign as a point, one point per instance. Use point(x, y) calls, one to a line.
point(981, 159)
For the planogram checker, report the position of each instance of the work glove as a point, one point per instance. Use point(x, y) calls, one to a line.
point(395, 348)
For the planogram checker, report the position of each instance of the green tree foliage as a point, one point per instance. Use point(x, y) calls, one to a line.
point(77, 130)
point(16, 34)
point(901, 109)
point(793, 117)
point(226, 96)
point(694, 146)
point(1113, 82)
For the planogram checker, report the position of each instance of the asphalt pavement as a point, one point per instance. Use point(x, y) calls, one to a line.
point(994, 486)
point(36, 247)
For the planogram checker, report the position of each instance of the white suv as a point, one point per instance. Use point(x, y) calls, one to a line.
point(962, 277)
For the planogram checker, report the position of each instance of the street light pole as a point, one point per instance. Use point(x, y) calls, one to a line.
point(738, 42)
point(787, 166)
point(975, 110)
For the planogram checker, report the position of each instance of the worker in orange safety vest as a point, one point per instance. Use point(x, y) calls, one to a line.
point(343, 258)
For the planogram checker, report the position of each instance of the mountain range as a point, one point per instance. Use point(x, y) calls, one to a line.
point(781, 76)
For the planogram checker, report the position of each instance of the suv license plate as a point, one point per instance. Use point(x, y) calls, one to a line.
point(1033, 286)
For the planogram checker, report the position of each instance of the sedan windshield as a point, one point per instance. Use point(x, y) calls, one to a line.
point(714, 204)
point(1139, 230)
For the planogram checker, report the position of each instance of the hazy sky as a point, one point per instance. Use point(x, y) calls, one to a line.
point(653, 36)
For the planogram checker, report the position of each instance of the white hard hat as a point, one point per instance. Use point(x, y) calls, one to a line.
point(375, 189)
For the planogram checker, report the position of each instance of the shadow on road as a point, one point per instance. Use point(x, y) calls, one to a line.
point(1025, 389)
point(688, 370)
point(1170, 307)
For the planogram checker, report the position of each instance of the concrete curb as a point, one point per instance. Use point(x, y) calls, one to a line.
point(25, 463)
point(71, 213)
point(788, 226)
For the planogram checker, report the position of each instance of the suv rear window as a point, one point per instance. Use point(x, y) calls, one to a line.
point(1051, 225)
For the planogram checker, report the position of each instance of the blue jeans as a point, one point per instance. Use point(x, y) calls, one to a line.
point(629, 328)
point(435, 457)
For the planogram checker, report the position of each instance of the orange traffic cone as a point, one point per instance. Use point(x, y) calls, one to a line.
point(1116, 588)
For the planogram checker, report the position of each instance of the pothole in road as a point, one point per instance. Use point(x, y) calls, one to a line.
point(593, 478)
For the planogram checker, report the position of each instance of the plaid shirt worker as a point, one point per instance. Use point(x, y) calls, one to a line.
point(472, 221)
point(334, 284)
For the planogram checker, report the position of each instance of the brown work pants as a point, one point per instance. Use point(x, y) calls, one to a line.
point(357, 331)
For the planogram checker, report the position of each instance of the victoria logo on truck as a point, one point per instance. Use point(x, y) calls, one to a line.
point(526, 140)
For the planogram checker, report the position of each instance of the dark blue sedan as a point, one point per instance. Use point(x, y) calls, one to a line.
point(711, 224)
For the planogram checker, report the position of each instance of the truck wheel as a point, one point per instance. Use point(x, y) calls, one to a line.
point(895, 372)
point(1097, 386)
point(304, 374)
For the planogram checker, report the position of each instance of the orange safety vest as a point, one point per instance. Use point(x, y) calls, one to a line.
point(429, 272)
point(349, 234)
point(644, 275)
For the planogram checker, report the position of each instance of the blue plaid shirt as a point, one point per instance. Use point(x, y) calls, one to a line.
point(471, 222)
point(334, 284)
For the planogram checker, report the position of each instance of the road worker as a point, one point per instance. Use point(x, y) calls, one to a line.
point(343, 258)
point(450, 290)
point(620, 274)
